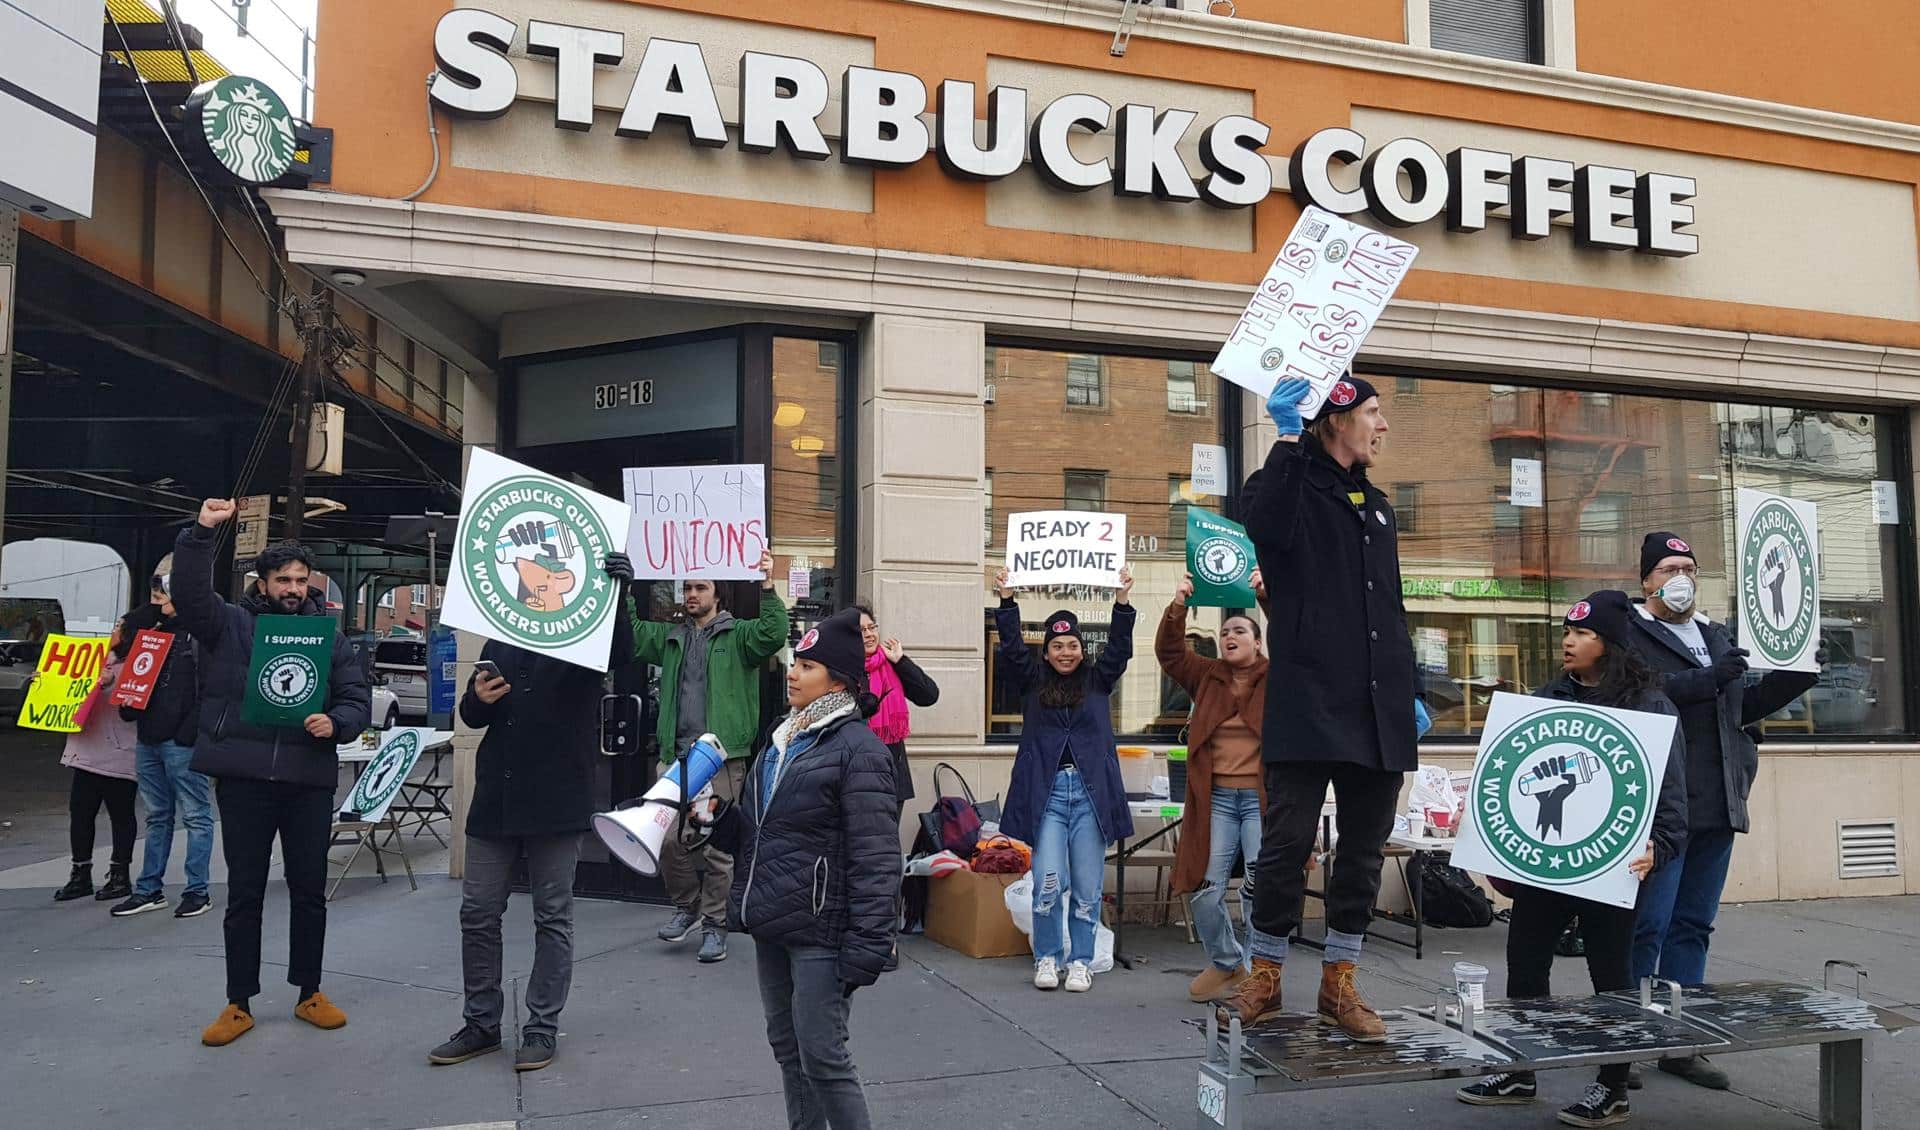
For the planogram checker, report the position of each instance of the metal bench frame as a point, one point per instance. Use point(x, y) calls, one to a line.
point(1442, 1043)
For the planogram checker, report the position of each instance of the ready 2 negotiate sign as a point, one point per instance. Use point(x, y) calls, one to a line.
point(1403, 182)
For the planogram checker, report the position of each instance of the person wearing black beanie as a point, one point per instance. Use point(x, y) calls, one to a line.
point(815, 838)
point(1599, 668)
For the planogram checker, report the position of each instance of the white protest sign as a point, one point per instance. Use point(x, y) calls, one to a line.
point(1209, 469)
point(1320, 299)
point(1776, 552)
point(380, 781)
point(1526, 485)
point(527, 562)
point(1563, 796)
point(690, 523)
point(1066, 547)
point(1886, 502)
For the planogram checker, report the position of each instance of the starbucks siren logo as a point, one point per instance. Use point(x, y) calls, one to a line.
point(1777, 583)
point(1220, 561)
point(246, 127)
point(531, 553)
point(288, 680)
point(1564, 796)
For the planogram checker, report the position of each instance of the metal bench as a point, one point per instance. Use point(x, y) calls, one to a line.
point(1295, 1053)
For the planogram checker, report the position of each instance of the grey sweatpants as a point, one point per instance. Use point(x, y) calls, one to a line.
point(483, 899)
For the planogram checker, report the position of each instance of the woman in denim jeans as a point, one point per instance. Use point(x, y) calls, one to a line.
point(1225, 793)
point(1066, 797)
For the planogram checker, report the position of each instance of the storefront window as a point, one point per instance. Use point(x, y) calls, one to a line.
point(805, 476)
point(1085, 431)
point(1486, 582)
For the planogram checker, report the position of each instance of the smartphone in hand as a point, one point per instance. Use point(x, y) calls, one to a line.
point(487, 667)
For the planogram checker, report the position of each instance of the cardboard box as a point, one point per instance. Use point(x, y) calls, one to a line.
point(968, 912)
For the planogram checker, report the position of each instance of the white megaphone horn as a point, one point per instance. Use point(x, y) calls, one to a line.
point(634, 835)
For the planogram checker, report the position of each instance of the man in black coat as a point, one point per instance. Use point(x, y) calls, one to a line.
point(1704, 673)
point(533, 797)
point(272, 780)
point(1340, 692)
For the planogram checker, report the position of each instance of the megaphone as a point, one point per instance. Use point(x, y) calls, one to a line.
point(634, 835)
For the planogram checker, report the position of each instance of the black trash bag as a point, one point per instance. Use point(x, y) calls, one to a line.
point(1450, 897)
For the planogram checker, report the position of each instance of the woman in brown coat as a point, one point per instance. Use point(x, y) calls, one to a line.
point(1225, 793)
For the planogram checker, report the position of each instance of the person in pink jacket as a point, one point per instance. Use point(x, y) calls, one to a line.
point(101, 757)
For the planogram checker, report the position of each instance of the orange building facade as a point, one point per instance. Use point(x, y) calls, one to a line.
point(935, 262)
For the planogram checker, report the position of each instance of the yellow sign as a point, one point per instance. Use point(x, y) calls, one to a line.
point(69, 670)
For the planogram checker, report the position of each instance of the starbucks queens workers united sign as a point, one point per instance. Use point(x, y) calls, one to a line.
point(1563, 796)
point(527, 562)
point(1777, 543)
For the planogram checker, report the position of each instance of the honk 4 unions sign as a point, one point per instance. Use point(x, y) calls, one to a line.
point(1403, 182)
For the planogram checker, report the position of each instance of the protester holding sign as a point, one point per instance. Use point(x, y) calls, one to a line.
point(101, 756)
point(1066, 797)
point(1599, 667)
point(274, 780)
point(1225, 795)
point(1705, 675)
point(1340, 695)
point(532, 798)
point(167, 726)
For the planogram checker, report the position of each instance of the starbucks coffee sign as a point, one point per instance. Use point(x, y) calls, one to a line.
point(1779, 596)
point(1563, 796)
point(889, 119)
point(243, 127)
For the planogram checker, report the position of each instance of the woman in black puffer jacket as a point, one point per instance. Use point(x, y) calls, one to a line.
point(816, 846)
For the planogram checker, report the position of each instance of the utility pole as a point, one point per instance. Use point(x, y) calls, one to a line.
point(313, 348)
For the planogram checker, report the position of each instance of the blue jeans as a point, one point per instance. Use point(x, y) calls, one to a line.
point(1676, 910)
point(1069, 860)
point(167, 783)
point(1235, 834)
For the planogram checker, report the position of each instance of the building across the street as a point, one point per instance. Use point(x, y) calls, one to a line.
point(935, 262)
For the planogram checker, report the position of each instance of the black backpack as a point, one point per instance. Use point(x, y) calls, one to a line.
point(1450, 897)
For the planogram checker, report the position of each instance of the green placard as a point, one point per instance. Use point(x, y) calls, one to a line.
point(287, 679)
point(1221, 560)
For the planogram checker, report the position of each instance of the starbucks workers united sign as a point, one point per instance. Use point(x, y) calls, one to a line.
point(1563, 796)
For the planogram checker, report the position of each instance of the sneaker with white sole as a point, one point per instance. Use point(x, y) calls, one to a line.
point(1079, 977)
point(1504, 1089)
point(1046, 974)
point(1599, 1105)
point(139, 904)
point(680, 927)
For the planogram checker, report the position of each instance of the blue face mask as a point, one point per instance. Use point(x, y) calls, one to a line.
point(1678, 593)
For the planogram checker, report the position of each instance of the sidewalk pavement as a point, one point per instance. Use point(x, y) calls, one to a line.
point(104, 1016)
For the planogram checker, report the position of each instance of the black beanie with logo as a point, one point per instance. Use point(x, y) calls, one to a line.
point(1347, 393)
point(1063, 623)
point(835, 643)
point(1660, 545)
point(1608, 614)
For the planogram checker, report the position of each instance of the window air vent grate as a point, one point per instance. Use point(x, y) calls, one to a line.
point(1869, 848)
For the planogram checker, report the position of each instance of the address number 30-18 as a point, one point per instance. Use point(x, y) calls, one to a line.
point(1213, 1098)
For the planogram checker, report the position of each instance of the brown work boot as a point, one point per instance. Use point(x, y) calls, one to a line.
point(1256, 998)
point(1342, 1005)
point(1215, 984)
point(320, 1012)
point(234, 1023)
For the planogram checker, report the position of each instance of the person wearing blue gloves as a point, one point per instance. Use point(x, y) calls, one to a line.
point(1341, 706)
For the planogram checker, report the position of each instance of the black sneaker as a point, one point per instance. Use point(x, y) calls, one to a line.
point(139, 904)
point(1600, 1105)
point(1509, 1088)
point(713, 947)
point(680, 927)
point(117, 886)
point(193, 904)
point(79, 884)
point(536, 1051)
point(464, 1045)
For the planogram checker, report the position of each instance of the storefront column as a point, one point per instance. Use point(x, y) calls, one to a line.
point(480, 429)
point(922, 465)
point(9, 267)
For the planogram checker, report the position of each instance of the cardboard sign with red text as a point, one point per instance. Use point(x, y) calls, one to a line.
point(690, 523)
point(1327, 287)
point(142, 669)
point(69, 670)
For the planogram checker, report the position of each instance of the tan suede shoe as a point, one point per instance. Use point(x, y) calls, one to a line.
point(1341, 1004)
point(320, 1012)
point(1215, 984)
point(233, 1024)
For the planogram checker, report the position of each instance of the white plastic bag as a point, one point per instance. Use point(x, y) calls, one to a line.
point(1433, 793)
point(1102, 950)
point(1019, 896)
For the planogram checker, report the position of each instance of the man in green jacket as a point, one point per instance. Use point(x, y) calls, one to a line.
point(709, 683)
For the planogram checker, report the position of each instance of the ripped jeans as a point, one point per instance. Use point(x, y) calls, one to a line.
point(1233, 833)
point(1070, 867)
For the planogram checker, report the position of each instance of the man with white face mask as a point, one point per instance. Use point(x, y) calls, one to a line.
point(1703, 672)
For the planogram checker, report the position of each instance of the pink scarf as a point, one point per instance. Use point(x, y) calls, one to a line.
point(890, 724)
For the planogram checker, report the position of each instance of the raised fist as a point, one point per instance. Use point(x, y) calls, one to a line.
point(216, 510)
